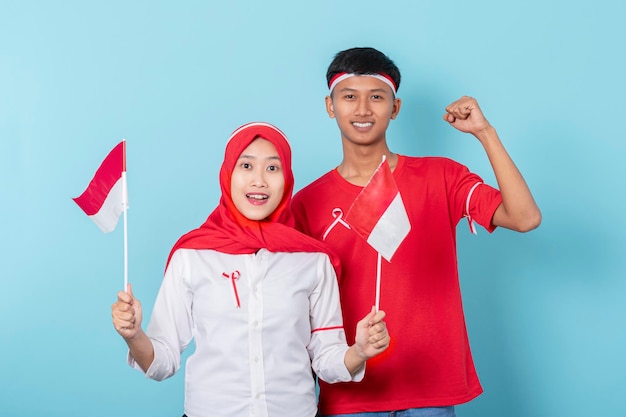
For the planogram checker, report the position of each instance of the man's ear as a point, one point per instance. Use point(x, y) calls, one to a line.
point(397, 103)
point(329, 107)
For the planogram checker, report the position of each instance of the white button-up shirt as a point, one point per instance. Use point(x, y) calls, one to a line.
point(259, 321)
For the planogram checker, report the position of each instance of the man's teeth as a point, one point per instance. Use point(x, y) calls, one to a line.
point(357, 124)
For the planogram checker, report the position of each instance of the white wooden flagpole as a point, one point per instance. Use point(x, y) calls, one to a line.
point(125, 203)
point(378, 273)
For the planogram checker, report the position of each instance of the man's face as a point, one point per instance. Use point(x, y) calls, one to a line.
point(363, 107)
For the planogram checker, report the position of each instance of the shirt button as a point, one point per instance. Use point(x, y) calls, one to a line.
point(255, 324)
point(256, 359)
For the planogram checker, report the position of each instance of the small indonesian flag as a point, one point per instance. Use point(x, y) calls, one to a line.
point(378, 213)
point(106, 196)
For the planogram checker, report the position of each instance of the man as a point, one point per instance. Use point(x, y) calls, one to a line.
point(428, 368)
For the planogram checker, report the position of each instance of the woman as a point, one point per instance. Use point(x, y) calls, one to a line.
point(259, 298)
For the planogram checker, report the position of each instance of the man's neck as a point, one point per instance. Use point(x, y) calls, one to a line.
point(359, 163)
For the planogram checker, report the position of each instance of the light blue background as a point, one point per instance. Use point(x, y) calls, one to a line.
point(545, 310)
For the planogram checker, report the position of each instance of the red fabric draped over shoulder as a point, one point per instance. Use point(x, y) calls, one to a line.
point(227, 230)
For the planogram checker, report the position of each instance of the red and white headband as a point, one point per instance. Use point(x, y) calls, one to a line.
point(343, 75)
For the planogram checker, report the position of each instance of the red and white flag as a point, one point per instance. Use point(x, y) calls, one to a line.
point(106, 196)
point(378, 213)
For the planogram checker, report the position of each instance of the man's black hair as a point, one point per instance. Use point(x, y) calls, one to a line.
point(363, 61)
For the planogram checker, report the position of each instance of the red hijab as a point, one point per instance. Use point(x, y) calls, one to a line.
point(227, 230)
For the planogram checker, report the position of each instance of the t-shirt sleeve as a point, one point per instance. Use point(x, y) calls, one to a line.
point(299, 214)
point(481, 205)
point(473, 199)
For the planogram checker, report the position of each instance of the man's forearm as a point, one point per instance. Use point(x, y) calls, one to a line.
point(518, 210)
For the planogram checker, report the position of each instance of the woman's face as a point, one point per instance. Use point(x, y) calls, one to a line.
point(257, 183)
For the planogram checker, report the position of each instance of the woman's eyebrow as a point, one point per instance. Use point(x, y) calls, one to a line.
point(245, 156)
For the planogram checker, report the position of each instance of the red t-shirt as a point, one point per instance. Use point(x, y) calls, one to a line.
point(428, 362)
